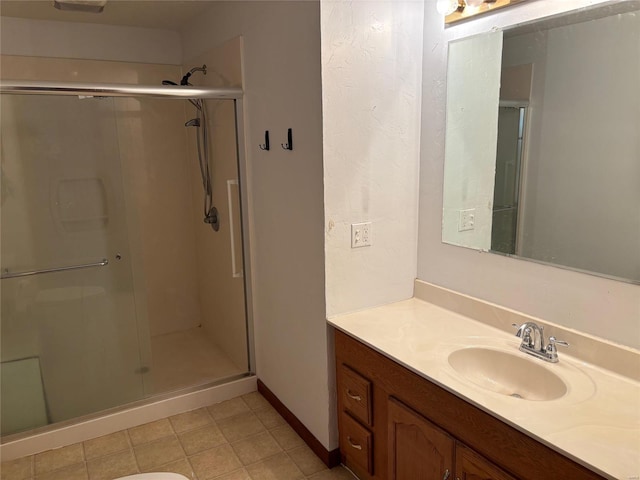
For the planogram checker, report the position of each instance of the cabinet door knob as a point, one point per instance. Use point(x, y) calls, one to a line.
point(354, 445)
point(446, 475)
point(357, 398)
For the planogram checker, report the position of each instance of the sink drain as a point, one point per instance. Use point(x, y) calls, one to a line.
point(515, 395)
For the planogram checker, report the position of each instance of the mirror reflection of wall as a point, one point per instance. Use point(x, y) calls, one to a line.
point(473, 89)
point(567, 167)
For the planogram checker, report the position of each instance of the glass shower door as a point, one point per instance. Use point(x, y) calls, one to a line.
point(72, 342)
point(506, 195)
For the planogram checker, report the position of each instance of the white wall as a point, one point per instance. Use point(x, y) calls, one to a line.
point(595, 305)
point(282, 83)
point(371, 77)
point(44, 38)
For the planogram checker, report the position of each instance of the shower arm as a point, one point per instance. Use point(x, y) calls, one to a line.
point(185, 79)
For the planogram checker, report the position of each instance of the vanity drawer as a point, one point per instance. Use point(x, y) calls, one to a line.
point(355, 392)
point(356, 443)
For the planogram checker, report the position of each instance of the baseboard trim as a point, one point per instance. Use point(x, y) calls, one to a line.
point(330, 458)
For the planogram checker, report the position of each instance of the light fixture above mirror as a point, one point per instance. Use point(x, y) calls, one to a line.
point(458, 10)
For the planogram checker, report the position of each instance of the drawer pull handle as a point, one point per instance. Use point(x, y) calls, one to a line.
point(446, 475)
point(357, 398)
point(354, 445)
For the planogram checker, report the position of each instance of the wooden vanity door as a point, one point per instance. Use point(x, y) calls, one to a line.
point(417, 449)
point(472, 466)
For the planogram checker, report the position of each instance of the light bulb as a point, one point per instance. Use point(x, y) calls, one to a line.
point(446, 7)
point(474, 3)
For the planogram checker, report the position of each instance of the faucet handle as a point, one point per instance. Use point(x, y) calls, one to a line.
point(554, 341)
point(552, 351)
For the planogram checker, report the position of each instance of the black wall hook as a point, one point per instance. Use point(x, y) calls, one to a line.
point(289, 144)
point(265, 145)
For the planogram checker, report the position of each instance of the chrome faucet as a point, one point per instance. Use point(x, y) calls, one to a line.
point(533, 342)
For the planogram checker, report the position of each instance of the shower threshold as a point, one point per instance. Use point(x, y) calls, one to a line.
point(125, 416)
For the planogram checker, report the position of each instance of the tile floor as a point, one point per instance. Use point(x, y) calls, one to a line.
point(240, 439)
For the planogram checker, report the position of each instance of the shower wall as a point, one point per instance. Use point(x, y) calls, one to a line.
point(156, 179)
point(220, 265)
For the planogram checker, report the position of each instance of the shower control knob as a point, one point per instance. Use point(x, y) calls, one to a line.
point(213, 219)
point(118, 256)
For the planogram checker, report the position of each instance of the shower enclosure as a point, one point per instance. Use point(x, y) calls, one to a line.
point(113, 289)
point(508, 177)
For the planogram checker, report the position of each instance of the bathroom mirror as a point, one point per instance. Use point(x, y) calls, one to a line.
point(542, 155)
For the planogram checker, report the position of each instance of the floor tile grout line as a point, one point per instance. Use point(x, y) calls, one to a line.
point(262, 459)
point(305, 475)
point(149, 441)
point(212, 420)
point(84, 462)
point(177, 437)
point(184, 452)
point(128, 438)
point(232, 416)
point(174, 435)
point(84, 456)
point(59, 468)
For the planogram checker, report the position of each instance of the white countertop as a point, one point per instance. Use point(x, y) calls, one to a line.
point(596, 423)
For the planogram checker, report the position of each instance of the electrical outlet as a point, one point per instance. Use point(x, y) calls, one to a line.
point(360, 234)
point(467, 220)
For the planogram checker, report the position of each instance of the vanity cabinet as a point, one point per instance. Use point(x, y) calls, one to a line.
point(471, 466)
point(396, 425)
point(417, 449)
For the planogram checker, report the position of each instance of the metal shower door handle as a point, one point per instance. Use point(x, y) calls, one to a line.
point(6, 274)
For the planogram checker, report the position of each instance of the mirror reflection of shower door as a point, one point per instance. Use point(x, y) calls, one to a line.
point(72, 335)
point(506, 195)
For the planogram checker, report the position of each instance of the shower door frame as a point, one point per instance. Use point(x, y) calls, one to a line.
point(23, 87)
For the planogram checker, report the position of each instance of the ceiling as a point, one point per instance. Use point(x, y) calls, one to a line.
point(164, 14)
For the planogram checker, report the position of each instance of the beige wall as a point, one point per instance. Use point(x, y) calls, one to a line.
point(282, 84)
point(43, 38)
point(221, 289)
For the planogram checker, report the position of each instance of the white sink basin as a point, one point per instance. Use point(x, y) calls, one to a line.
point(508, 374)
